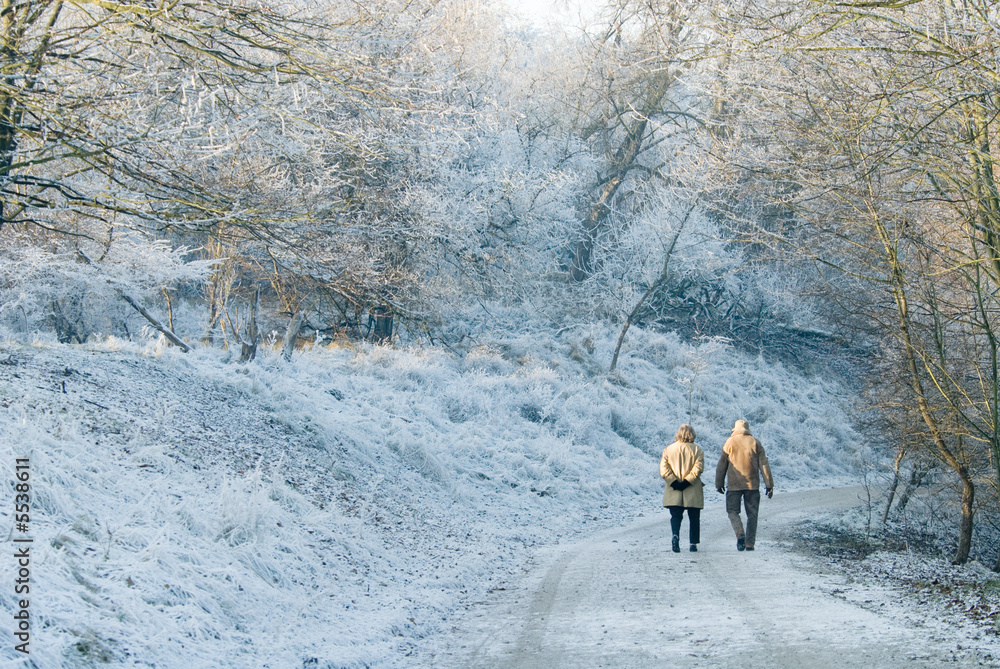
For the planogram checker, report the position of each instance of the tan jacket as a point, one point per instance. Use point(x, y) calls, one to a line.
point(742, 458)
point(682, 461)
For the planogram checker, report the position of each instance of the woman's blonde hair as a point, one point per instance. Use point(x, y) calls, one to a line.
point(685, 433)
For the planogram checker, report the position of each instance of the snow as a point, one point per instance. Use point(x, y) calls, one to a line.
point(620, 598)
point(340, 509)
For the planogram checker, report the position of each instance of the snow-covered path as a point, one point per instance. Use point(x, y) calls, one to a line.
point(623, 599)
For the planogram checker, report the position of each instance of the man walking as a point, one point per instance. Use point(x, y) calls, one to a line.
point(741, 460)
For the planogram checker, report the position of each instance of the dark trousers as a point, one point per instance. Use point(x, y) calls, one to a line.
point(694, 520)
point(751, 501)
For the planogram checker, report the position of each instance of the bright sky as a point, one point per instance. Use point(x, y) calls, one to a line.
point(564, 12)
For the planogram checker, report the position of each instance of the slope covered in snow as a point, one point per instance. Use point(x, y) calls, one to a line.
point(333, 511)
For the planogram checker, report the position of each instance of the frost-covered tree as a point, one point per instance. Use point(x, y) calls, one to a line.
point(117, 117)
point(283, 141)
point(85, 121)
point(878, 120)
point(75, 291)
point(504, 177)
point(634, 98)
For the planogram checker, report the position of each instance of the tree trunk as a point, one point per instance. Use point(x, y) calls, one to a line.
point(292, 334)
point(580, 267)
point(213, 318)
point(965, 525)
point(916, 478)
point(624, 160)
point(895, 484)
point(170, 309)
point(21, 68)
point(942, 451)
point(248, 346)
point(382, 317)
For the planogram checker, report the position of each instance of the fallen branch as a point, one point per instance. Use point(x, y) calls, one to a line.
point(171, 337)
point(655, 286)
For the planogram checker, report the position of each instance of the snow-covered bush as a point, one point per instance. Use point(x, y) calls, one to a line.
point(74, 288)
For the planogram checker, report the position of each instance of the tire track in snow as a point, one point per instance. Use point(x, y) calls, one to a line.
point(622, 599)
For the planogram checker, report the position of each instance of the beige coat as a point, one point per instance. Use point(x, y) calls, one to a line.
point(741, 460)
point(682, 461)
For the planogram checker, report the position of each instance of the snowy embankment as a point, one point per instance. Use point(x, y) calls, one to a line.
point(333, 511)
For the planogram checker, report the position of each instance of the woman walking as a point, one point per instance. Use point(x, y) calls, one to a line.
point(681, 466)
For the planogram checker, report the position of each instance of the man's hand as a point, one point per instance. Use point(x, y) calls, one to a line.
point(683, 485)
point(676, 485)
point(720, 490)
point(770, 493)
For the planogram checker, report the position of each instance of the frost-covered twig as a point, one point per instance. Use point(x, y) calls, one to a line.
point(171, 337)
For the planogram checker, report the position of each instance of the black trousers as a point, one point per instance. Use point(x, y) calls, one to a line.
point(694, 522)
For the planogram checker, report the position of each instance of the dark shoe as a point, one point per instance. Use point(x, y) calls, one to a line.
point(676, 544)
point(694, 548)
point(741, 543)
point(749, 548)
